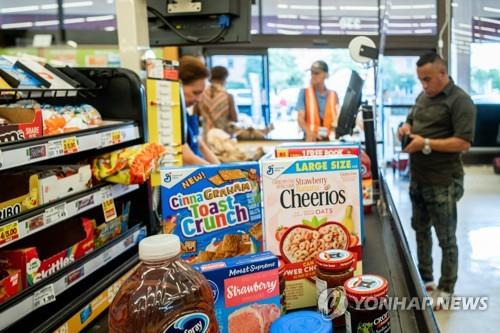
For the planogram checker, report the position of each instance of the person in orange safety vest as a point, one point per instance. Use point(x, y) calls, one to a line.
point(317, 106)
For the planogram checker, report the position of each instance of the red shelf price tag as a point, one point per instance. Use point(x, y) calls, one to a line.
point(9, 232)
point(70, 145)
point(109, 209)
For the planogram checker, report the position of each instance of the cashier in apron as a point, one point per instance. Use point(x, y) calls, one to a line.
point(193, 74)
point(317, 106)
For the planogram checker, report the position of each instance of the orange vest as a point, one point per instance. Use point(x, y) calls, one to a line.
point(313, 118)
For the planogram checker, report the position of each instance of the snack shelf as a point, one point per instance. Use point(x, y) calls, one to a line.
point(85, 310)
point(47, 291)
point(44, 148)
point(13, 94)
point(27, 224)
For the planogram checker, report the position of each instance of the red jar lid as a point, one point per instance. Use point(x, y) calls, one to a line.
point(366, 286)
point(335, 259)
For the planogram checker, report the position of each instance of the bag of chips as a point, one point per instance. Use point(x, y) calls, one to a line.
point(131, 165)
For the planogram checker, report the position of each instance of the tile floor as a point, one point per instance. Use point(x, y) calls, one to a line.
point(479, 251)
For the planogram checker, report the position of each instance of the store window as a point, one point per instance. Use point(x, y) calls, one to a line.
point(290, 17)
point(412, 17)
point(247, 84)
point(288, 74)
point(344, 17)
point(476, 45)
point(89, 15)
point(28, 14)
point(400, 88)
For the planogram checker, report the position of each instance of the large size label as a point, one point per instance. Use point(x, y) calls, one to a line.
point(196, 322)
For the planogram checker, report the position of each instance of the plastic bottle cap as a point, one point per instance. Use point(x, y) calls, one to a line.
point(159, 247)
point(302, 321)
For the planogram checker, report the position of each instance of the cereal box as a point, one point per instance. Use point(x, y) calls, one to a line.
point(215, 210)
point(246, 291)
point(310, 205)
point(306, 149)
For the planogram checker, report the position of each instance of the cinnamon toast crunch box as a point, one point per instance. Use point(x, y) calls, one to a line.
point(310, 205)
point(215, 210)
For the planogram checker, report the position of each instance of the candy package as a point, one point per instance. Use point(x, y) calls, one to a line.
point(131, 165)
point(68, 118)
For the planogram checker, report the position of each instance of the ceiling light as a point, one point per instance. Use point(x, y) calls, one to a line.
point(49, 6)
point(282, 6)
point(111, 28)
point(19, 9)
point(46, 23)
point(100, 18)
point(305, 7)
point(361, 8)
point(288, 32)
point(423, 31)
point(487, 29)
point(77, 4)
point(287, 16)
point(285, 26)
point(17, 25)
point(492, 9)
point(484, 19)
point(74, 20)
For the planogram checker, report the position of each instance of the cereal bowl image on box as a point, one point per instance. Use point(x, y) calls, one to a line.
point(215, 210)
point(310, 205)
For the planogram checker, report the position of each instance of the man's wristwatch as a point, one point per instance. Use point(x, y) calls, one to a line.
point(427, 147)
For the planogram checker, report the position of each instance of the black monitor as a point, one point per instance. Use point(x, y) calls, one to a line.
point(198, 22)
point(350, 106)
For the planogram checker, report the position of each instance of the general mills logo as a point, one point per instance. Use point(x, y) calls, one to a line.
point(270, 170)
point(168, 178)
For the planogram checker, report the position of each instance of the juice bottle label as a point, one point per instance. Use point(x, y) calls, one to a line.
point(195, 322)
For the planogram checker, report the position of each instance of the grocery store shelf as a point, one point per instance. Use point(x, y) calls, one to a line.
point(47, 291)
point(17, 93)
point(32, 151)
point(82, 311)
point(36, 220)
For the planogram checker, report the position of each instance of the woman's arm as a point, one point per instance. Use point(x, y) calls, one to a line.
point(190, 158)
point(207, 152)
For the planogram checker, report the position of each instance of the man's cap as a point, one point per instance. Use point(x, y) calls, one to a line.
point(320, 65)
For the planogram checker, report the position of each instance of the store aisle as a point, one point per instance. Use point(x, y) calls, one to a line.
point(478, 234)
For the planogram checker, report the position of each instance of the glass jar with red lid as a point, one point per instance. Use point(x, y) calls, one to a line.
point(333, 268)
point(367, 309)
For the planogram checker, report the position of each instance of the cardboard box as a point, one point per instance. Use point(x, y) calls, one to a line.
point(10, 284)
point(104, 232)
point(310, 205)
point(305, 149)
point(49, 251)
point(23, 193)
point(215, 210)
point(24, 123)
point(63, 181)
point(246, 291)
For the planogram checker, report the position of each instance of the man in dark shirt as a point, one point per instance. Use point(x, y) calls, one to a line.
point(441, 127)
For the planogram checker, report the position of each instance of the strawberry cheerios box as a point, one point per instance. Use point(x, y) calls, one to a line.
point(310, 205)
